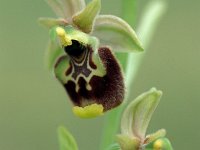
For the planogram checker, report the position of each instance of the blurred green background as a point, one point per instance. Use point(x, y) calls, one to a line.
point(33, 104)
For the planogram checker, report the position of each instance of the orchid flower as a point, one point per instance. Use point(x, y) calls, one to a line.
point(80, 54)
point(134, 123)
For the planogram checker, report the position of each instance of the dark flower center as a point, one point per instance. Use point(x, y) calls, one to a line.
point(76, 49)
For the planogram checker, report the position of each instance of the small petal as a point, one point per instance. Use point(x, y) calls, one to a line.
point(85, 19)
point(137, 115)
point(127, 143)
point(52, 53)
point(66, 140)
point(89, 111)
point(66, 8)
point(118, 34)
point(152, 137)
point(51, 22)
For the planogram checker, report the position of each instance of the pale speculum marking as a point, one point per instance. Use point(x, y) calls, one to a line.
point(81, 64)
point(81, 67)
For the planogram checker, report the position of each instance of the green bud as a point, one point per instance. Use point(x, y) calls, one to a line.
point(160, 144)
point(137, 115)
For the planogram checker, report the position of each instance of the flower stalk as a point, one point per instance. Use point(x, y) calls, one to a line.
point(112, 119)
point(152, 14)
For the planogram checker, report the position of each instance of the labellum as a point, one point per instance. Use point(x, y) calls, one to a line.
point(90, 74)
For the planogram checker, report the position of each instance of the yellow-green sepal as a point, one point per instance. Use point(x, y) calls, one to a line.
point(84, 20)
point(117, 33)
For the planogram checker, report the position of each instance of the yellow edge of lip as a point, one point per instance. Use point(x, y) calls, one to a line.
point(89, 111)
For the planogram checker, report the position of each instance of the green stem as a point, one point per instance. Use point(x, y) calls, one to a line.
point(147, 26)
point(129, 11)
point(112, 118)
point(150, 19)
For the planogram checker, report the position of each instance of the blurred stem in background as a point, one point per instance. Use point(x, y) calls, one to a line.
point(131, 62)
point(112, 118)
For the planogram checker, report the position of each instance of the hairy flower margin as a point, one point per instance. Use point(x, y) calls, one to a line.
point(110, 30)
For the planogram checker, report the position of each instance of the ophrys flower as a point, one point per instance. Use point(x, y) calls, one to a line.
point(87, 68)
